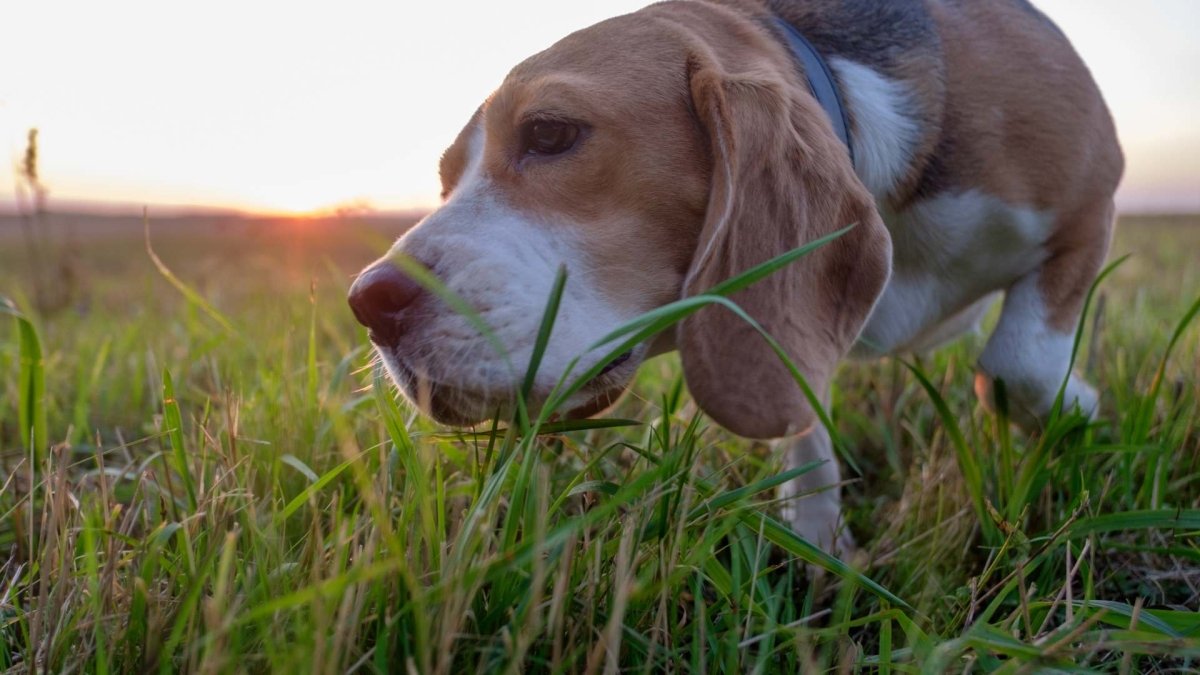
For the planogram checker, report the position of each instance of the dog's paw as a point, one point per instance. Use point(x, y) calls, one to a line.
point(1029, 403)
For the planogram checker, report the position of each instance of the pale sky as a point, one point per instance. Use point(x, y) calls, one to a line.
point(292, 106)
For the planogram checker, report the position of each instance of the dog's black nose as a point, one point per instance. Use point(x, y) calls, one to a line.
point(379, 297)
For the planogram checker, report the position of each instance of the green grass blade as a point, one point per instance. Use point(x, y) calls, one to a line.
point(193, 298)
point(86, 389)
point(544, 329)
point(785, 538)
point(299, 465)
point(427, 280)
point(1160, 519)
point(728, 499)
point(1180, 329)
point(173, 428)
point(658, 320)
point(968, 463)
point(312, 383)
point(1079, 326)
point(31, 377)
point(316, 486)
point(1173, 624)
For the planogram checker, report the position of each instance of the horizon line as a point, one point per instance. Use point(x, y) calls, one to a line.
point(11, 207)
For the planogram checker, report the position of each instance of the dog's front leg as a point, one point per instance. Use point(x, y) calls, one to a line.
point(812, 503)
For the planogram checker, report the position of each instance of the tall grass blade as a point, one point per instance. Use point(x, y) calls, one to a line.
point(427, 280)
point(1160, 519)
point(968, 463)
point(86, 389)
point(1156, 386)
point(173, 427)
point(31, 382)
point(544, 329)
point(1079, 326)
point(315, 487)
point(193, 298)
point(313, 374)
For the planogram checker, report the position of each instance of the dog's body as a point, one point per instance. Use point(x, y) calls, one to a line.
point(659, 153)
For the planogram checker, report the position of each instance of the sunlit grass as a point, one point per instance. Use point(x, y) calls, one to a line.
point(251, 496)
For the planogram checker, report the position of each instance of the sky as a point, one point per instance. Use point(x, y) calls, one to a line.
point(294, 106)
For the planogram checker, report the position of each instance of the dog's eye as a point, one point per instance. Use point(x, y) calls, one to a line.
point(548, 137)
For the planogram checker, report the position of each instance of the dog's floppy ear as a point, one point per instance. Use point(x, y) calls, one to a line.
point(780, 179)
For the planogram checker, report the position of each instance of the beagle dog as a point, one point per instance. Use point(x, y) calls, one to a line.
point(659, 153)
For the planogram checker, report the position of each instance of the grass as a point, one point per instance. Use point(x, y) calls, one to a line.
point(201, 472)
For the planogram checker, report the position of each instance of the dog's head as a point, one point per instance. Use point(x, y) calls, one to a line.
point(654, 155)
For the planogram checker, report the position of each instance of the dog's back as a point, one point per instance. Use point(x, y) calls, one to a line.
point(999, 72)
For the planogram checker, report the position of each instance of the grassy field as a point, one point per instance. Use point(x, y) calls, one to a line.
point(218, 483)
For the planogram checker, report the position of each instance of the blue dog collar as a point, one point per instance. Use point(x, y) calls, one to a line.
point(820, 81)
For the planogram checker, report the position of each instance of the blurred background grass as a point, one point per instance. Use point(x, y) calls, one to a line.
point(262, 272)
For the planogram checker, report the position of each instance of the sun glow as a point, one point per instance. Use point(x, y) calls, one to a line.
point(291, 107)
